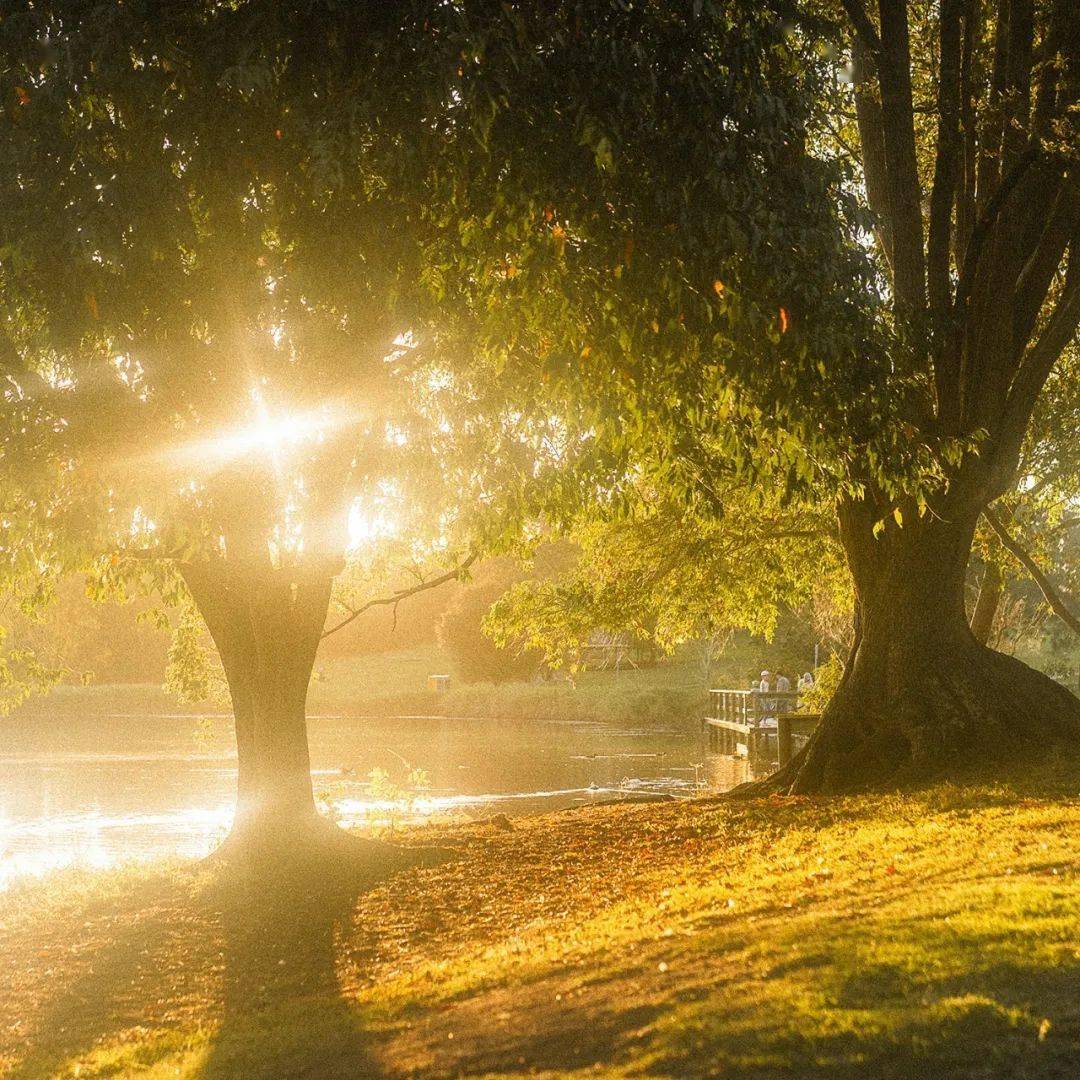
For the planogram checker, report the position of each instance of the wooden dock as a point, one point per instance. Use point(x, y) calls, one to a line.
point(735, 724)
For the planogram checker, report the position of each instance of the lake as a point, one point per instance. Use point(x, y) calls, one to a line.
point(99, 790)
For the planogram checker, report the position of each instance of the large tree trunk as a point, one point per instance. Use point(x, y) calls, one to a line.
point(266, 624)
point(920, 696)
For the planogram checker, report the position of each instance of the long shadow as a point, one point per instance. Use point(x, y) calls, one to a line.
point(283, 1012)
point(98, 998)
point(274, 1009)
point(881, 1019)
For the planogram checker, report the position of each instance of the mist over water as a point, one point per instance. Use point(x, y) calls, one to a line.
point(100, 790)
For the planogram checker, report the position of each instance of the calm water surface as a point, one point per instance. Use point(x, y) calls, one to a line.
point(100, 790)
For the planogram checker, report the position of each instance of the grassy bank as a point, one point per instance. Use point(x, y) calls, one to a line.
point(395, 684)
point(923, 935)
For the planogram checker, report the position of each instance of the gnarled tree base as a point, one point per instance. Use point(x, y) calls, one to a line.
point(951, 711)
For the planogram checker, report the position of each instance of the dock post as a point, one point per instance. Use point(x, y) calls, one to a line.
point(783, 739)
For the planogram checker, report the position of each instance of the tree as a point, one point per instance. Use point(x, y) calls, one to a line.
point(475, 657)
point(965, 118)
point(960, 123)
point(269, 268)
point(664, 574)
point(1028, 529)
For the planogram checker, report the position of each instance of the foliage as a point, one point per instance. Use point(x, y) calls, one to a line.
point(672, 576)
point(193, 674)
point(258, 276)
point(400, 799)
point(827, 678)
point(450, 273)
point(22, 672)
point(94, 642)
point(392, 803)
point(476, 658)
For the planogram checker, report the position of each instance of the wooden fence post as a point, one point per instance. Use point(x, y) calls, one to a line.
point(783, 739)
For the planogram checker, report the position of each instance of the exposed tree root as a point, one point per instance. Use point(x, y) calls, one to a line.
point(961, 710)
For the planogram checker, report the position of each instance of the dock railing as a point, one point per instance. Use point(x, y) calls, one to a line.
point(734, 726)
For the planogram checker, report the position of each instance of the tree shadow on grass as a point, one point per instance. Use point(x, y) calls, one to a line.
point(226, 974)
point(283, 1013)
point(97, 992)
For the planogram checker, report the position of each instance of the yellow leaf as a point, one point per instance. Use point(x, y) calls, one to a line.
point(898, 517)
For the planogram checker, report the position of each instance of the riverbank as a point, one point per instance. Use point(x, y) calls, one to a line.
point(395, 684)
point(933, 934)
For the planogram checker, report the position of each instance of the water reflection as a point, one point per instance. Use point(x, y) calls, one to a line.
point(102, 790)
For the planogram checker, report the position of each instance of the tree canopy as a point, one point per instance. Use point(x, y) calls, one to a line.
point(958, 122)
point(267, 270)
point(272, 274)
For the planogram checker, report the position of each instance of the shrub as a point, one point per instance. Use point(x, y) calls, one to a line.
point(475, 656)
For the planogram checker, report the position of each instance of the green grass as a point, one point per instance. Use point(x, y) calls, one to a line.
point(395, 684)
point(145, 698)
point(923, 935)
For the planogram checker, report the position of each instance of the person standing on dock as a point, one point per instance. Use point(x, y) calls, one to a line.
point(783, 684)
point(766, 707)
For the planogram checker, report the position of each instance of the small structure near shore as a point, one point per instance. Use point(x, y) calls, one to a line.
point(741, 722)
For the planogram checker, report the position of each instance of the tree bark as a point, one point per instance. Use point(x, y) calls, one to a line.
point(921, 697)
point(266, 624)
point(991, 589)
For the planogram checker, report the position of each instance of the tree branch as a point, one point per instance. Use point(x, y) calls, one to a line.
point(901, 163)
point(872, 143)
point(1050, 594)
point(943, 193)
point(987, 220)
point(1060, 228)
point(965, 207)
point(1051, 95)
point(1040, 358)
point(989, 166)
point(954, 357)
point(864, 28)
point(1018, 80)
point(1064, 526)
point(395, 598)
